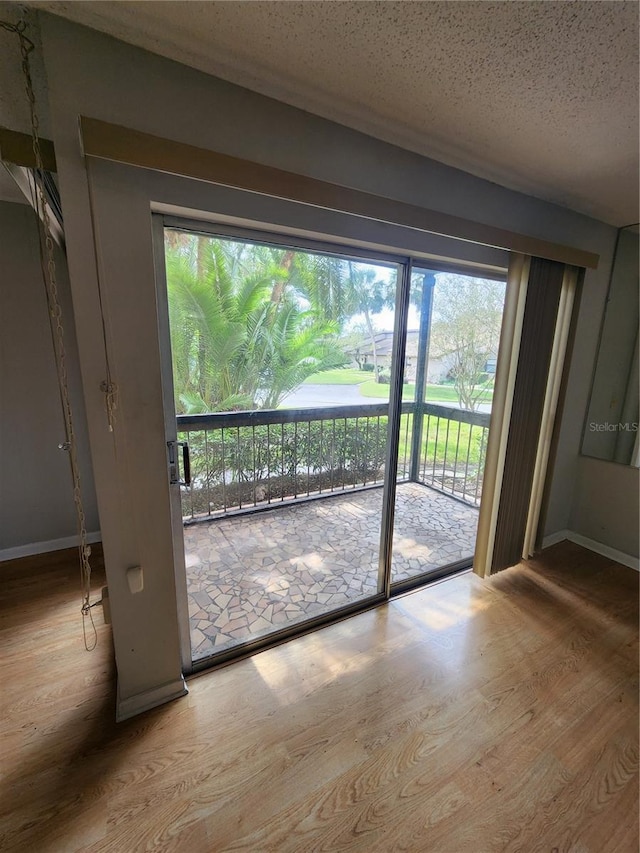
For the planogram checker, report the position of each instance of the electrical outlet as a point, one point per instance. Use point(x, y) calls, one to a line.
point(135, 579)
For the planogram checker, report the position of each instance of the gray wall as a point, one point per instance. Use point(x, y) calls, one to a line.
point(110, 80)
point(614, 397)
point(605, 506)
point(36, 500)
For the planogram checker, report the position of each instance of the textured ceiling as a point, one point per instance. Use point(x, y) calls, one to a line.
point(14, 106)
point(538, 96)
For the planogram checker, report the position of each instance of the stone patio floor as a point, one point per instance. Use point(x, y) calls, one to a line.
point(249, 574)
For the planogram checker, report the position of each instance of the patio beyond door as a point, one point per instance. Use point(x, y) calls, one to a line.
point(331, 458)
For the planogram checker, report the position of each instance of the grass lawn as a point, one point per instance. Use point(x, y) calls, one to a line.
point(440, 447)
point(435, 393)
point(373, 389)
point(447, 394)
point(340, 376)
point(369, 388)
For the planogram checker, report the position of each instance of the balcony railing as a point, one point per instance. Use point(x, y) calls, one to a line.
point(451, 447)
point(244, 461)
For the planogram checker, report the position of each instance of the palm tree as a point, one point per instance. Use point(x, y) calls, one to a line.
point(241, 336)
point(340, 288)
point(368, 295)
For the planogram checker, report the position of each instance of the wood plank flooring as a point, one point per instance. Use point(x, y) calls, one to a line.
point(468, 716)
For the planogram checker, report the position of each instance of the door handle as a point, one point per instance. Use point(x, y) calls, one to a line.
point(174, 466)
point(186, 463)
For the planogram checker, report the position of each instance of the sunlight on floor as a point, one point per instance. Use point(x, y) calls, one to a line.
point(192, 559)
point(444, 613)
point(316, 660)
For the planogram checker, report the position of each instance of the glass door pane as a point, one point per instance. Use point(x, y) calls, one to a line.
point(281, 361)
point(451, 349)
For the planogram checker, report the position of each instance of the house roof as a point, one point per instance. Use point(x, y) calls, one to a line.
point(384, 344)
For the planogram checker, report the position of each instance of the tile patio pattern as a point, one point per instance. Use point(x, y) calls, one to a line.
point(249, 574)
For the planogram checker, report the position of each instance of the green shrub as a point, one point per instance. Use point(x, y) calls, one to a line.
point(352, 450)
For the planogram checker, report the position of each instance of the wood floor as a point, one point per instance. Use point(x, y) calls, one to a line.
point(469, 716)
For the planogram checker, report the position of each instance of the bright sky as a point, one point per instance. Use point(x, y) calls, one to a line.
point(385, 320)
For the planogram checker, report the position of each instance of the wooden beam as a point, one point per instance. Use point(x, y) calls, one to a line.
point(17, 148)
point(132, 147)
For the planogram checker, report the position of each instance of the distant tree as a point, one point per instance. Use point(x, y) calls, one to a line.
point(339, 289)
point(466, 320)
point(368, 295)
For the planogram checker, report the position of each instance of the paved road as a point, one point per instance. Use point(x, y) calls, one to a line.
point(309, 396)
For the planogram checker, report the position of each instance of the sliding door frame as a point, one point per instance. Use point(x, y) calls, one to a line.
point(118, 199)
point(256, 235)
point(171, 434)
point(403, 295)
point(403, 265)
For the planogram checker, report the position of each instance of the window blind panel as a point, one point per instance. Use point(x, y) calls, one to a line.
point(536, 347)
point(552, 397)
point(510, 333)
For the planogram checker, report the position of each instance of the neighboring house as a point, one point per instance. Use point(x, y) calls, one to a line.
point(438, 366)
point(362, 353)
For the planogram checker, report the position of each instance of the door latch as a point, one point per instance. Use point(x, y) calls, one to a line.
point(174, 464)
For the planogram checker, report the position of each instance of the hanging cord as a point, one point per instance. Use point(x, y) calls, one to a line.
point(49, 276)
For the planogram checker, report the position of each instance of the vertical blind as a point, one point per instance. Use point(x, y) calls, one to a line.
point(536, 345)
point(517, 462)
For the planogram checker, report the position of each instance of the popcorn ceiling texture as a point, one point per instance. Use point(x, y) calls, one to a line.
point(14, 106)
point(541, 97)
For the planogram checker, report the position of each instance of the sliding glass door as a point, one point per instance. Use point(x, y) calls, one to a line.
point(327, 416)
point(281, 363)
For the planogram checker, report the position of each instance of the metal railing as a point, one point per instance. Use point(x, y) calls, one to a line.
point(244, 461)
point(453, 446)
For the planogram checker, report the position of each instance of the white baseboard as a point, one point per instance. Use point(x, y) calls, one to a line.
point(141, 702)
point(554, 538)
point(592, 545)
point(44, 547)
